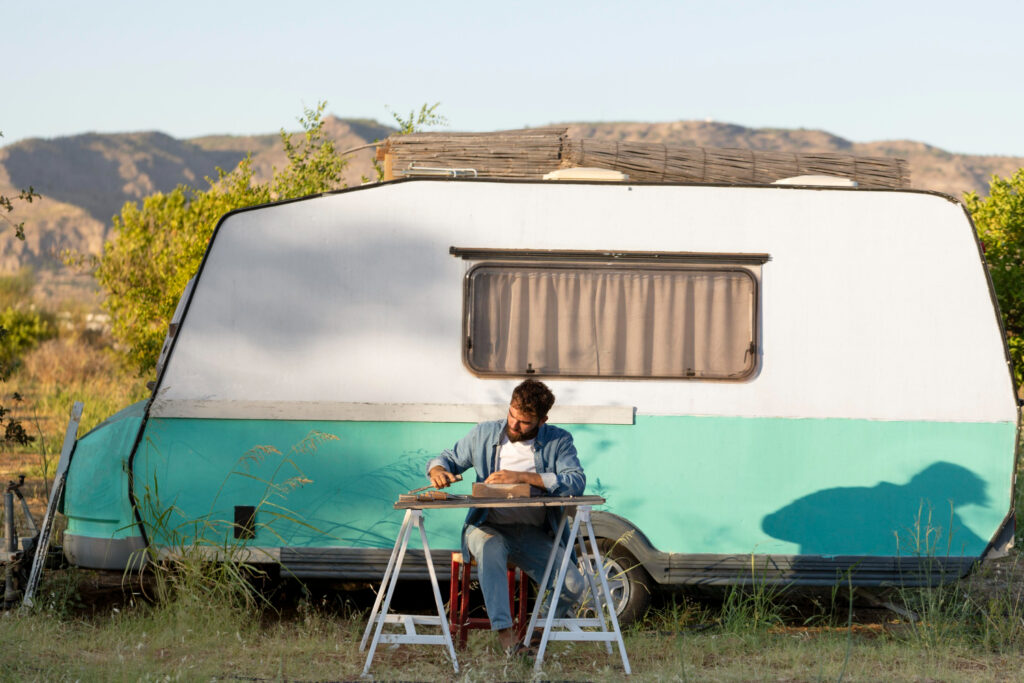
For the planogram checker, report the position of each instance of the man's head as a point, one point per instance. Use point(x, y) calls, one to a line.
point(528, 410)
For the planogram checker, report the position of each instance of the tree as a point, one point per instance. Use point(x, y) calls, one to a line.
point(999, 219)
point(313, 165)
point(417, 121)
point(157, 247)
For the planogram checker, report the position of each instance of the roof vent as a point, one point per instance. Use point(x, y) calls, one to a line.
point(586, 173)
point(818, 180)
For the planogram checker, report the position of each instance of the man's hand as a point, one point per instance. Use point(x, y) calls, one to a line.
point(513, 477)
point(440, 477)
point(504, 477)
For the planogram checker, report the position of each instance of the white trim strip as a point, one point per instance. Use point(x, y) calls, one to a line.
point(377, 412)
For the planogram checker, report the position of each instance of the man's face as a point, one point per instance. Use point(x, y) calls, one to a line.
point(522, 426)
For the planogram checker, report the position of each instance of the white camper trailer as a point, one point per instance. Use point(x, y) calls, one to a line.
point(812, 376)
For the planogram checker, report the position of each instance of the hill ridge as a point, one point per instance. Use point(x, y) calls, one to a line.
point(86, 178)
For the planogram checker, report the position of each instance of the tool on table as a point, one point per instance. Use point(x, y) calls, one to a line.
point(416, 496)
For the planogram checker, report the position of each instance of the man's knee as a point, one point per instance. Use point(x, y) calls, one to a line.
point(486, 546)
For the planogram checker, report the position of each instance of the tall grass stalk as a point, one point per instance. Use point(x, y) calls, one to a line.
point(755, 606)
point(999, 615)
point(198, 562)
point(941, 612)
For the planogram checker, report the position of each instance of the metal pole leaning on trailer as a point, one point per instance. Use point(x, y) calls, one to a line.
point(43, 542)
point(16, 490)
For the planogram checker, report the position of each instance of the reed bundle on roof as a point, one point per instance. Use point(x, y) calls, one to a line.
point(530, 153)
point(504, 154)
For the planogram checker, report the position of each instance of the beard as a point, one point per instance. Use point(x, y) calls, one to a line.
point(524, 436)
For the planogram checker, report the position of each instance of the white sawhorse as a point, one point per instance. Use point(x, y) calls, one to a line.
point(379, 616)
point(593, 572)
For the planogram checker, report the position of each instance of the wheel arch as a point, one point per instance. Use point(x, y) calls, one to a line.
point(626, 534)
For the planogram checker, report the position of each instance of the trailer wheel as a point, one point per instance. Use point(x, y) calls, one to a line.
point(628, 581)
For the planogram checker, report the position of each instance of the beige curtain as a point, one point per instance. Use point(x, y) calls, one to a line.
point(637, 322)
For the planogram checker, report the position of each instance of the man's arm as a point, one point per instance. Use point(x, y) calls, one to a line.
point(568, 478)
point(441, 470)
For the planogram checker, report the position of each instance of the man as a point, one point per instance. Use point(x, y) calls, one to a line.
point(523, 448)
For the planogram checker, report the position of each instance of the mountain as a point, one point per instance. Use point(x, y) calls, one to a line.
point(85, 179)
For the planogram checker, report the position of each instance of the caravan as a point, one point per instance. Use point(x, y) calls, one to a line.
point(784, 383)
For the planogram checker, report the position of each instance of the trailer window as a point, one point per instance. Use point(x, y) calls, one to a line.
point(591, 321)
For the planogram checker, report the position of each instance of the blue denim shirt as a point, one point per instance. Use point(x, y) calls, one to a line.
point(554, 456)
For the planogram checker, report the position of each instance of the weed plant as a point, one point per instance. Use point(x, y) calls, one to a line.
point(58, 597)
point(202, 562)
point(939, 611)
point(754, 606)
point(998, 617)
point(984, 612)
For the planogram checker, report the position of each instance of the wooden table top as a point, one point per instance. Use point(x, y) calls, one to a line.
point(471, 502)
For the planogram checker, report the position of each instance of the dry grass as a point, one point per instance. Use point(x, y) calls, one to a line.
point(77, 367)
point(145, 643)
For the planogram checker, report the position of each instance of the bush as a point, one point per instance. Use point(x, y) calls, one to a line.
point(999, 219)
point(23, 330)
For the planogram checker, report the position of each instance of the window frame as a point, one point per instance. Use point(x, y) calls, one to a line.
point(748, 265)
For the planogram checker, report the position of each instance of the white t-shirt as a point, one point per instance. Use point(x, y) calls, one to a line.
point(516, 456)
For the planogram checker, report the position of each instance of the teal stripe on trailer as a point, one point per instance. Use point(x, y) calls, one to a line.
point(96, 500)
point(692, 485)
point(805, 486)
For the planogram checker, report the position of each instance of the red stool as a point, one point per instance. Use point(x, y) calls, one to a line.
point(459, 620)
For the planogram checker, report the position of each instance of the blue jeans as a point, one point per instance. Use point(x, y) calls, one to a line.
point(527, 547)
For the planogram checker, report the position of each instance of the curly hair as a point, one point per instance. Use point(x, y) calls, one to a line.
point(533, 397)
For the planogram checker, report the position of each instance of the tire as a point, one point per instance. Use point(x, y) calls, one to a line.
point(630, 584)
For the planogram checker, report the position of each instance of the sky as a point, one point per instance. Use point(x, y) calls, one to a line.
point(944, 73)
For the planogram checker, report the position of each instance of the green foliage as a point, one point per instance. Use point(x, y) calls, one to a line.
point(7, 205)
point(417, 121)
point(59, 596)
point(752, 607)
point(313, 165)
point(23, 330)
point(13, 430)
point(16, 325)
point(413, 123)
point(158, 247)
point(999, 219)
